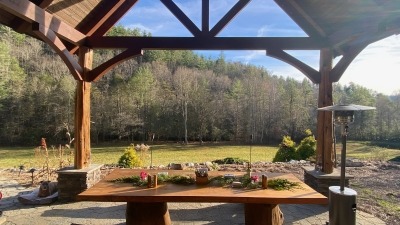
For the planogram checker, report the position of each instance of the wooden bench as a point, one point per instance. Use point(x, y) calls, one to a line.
point(149, 205)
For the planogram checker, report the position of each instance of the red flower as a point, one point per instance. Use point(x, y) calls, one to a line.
point(143, 175)
point(254, 178)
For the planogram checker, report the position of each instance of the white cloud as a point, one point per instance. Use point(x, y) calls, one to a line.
point(377, 67)
point(247, 57)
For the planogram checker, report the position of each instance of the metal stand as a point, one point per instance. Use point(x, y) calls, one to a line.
point(343, 156)
point(342, 200)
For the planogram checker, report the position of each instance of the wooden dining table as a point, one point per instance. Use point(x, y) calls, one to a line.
point(149, 205)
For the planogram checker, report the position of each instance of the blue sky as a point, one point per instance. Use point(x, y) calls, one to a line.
point(376, 68)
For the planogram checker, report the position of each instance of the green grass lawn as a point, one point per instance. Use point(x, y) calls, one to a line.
point(163, 154)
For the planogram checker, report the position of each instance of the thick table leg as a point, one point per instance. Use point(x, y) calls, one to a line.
point(262, 214)
point(139, 213)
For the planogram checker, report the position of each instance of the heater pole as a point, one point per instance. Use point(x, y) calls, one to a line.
point(343, 157)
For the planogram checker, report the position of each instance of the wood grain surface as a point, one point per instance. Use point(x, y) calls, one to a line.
point(107, 191)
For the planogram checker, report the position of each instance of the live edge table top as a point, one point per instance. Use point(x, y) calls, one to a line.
point(107, 191)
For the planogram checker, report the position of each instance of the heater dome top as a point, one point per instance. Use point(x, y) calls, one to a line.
point(350, 107)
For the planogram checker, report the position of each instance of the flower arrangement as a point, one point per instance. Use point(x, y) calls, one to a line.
point(141, 180)
point(254, 178)
point(246, 181)
point(143, 175)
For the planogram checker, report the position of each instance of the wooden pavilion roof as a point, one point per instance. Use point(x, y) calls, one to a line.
point(345, 26)
point(335, 27)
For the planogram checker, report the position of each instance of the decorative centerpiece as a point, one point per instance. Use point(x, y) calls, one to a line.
point(201, 176)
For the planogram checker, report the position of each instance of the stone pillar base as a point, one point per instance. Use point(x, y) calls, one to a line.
point(72, 182)
point(321, 181)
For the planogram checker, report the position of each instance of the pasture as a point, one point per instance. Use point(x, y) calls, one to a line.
point(163, 154)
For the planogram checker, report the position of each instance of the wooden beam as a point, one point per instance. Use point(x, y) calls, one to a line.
point(364, 31)
point(211, 43)
point(294, 10)
point(205, 17)
point(325, 153)
point(344, 62)
point(181, 16)
point(311, 73)
point(82, 113)
point(101, 70)
point(108, 14)
point(112, 11)
point(30, 12)
point(43, 3)
point(22, 26)
point(51, 38)
point(114, 18)
point(228, 17)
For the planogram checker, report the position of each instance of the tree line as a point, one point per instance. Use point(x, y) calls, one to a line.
point(169, 96)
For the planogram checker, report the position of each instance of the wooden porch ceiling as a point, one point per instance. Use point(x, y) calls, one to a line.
point(345, 26)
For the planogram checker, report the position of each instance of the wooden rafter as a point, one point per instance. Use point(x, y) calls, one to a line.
point(31, 13)
point(88, 27)
point(42, 3)
point(21, 25)
point(213, 43)
point(111, 12)
point(101, 70)
point(293, 9)
point(228, 17)
point(51, 38)
point(205, 17)
point(311, 73)
point(181, 16)
point(205, 32)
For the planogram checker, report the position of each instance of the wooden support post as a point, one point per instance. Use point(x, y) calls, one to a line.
point(147, 213)
point(82, 112)
point(263, 214)
point(325, 154)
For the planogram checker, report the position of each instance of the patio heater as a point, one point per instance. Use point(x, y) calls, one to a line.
point(342, 200)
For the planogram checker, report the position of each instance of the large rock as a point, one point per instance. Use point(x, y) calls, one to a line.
point(354, 163)
point(177, 166)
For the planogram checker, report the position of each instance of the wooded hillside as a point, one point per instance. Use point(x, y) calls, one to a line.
point(175, 95)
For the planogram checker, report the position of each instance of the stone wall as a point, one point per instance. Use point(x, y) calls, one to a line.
point(321, 182)
point(72, 182)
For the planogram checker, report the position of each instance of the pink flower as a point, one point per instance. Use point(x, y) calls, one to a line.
point(254, 178)
point(143, 175)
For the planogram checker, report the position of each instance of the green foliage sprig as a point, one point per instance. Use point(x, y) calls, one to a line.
point(230, 160)
point(136, 180)
point(161, 178)
point(221, 181)
point(280, 184)
point(248, 182)
point(185, 180)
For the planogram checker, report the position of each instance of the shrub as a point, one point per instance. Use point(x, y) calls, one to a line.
point(307, 146)
point(130, 159)
point(286, 151)
point(230, 160)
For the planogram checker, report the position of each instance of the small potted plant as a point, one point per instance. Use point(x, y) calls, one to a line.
point(201, 176)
